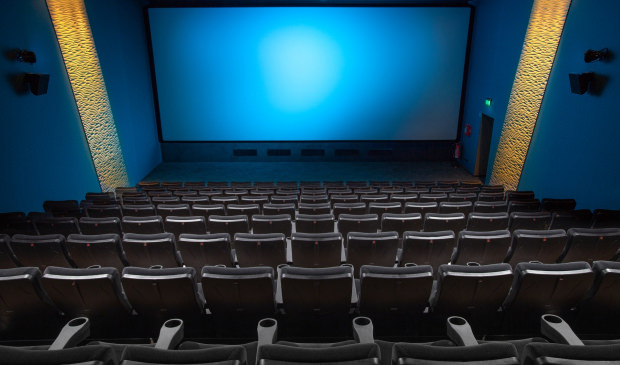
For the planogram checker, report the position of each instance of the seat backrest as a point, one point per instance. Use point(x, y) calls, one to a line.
point(592, 244)
point(490, 206)
point(146, 250)
point(537, 353)
point(138, 210)
point(563, 285)
point(433, 197)
point(215, 355)
point(381, 208)
point(421, 207)
point(513, 195)
point(434, 222)
point(598, 311)
point(400, 291)
point(374, 198)
point(463, 197)
point(102, 225)
point(82, 355)
point(231, 224)
point(316, 249)
point(349, 208)
point(536, 245)
point(279, 208)
point(185, 224)
point(248, 209)
point(143, 225)
point(57, 225)
point(553, 205)
point(63, 208)
point(267, 249)
point(40, 251)
point(357, 353)
point(280, 223)
point(104, 210)
point(368, 223)
point(378, 249)
point(473, 292)
point(401, 222)
point(487, 221)
point(532, 205)
point(314, 208)
point(231, 291)
point(319, 223)
point(166, 209)
point(104, 250)
point(606, 218)
point(566, 219)
point(427, 248)
point(95, 292)
point(205, 249)
point(317, 291)
point(492, 353)
point(529, 220)
point(344, 198)
point(490, 196)
point(481, 247)
point(163, 293)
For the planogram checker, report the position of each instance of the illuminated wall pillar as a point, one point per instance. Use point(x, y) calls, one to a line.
point(539, 48)
point(82, 63)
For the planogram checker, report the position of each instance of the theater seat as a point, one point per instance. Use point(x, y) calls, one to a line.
point(268, 249)
point(7, 257)
point(310, 223)
point(481, 247)
point(427, 248)
point(104, 250)
point(591, 244)
point(536, 245)
point(40, 251)
point(146, 250)
point(378, 249)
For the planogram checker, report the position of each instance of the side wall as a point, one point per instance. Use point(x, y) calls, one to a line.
point(574, 150)
point(43, 152)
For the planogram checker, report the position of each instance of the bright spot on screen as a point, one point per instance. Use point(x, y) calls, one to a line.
point(300, 67)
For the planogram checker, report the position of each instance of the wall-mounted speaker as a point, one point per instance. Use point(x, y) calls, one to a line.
point(38, 82)
point(579, 83)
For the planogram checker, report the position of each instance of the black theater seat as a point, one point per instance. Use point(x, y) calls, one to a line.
point(178, 225)
point(280, 223)
point(401, 222)
point(57, 225)
point(487, 221)
point(434, 222)
point(104, 225)
point(591, 244)
point(544, 289)
point(481, 247)
point(319, 223)
point(231, 224)
point(473, 292)
point(104, 210)
point(599, 311)
point(138, 210)
point(316, 249)
point(146, 250)
point(26, 311)
point(166, 209)
point(7, 257)
point(427, 248)
point(606, 218)
point(205, 249)
point(349, 208)
point(143, 225)
point(367, 223)
point(529, 220)
point(161, 294)
point(314, 208)
point(104, 250)
point(581, 218)
point(536, 245)
point(252, 250)
point(378, 249)
point(381, 208)
point(95, 293)
point(40, 251)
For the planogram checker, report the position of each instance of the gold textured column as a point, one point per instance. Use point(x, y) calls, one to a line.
point(82, 63)
point(539, 48)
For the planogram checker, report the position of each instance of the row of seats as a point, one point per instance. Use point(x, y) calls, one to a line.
point(209, 221)
point(307, 184)
point(310, 250)
point(491, 296)
point(558, 345)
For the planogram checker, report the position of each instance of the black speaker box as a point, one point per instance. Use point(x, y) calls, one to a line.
point(38, 83)
point(579, 82)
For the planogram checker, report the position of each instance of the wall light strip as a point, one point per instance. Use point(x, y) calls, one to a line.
point(539, 48)
point(82, 63)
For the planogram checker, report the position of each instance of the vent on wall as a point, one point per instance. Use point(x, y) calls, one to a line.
point(278, 152)
point(313, 152)
point(244, 152)
point(346, 152)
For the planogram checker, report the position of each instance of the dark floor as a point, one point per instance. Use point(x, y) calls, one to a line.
point(308, 171)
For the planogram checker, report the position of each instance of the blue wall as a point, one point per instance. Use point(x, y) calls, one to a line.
point(43, 151)
point(574, 150)
point(497, 39)
point(120, 37)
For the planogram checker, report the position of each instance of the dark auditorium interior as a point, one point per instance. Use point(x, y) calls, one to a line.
point(309, 181)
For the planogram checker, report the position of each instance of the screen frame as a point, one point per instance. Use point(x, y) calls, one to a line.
point(293, 4)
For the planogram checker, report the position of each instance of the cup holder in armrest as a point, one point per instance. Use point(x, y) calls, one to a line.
point(460, 332)
point(156, 267)
point(410, 264)
point(558, 331)
point(170, 334)
point(94, 267)
point(473, 263)
point(363, 330)
point(267, 331)
point(75, 331)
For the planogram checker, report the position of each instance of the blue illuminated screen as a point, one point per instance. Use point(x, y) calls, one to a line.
point(309, 73)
